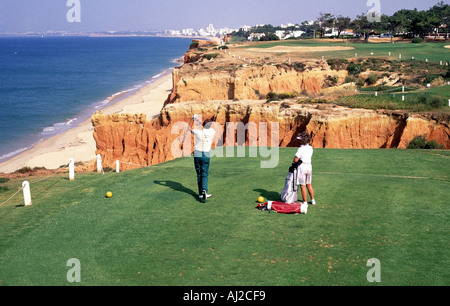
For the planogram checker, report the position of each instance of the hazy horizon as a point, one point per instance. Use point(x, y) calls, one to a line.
point(19, 16)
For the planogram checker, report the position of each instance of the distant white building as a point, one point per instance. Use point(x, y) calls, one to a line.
point(173, 32)
point(255, 36)
point(246, 28)
point(334, 32)
point(287, 25)
point(281, 34)
point(224, 31)
point(210, 30)
point(188, 32)
point(295, 34)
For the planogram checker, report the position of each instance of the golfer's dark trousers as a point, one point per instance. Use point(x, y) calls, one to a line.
point(201, 162)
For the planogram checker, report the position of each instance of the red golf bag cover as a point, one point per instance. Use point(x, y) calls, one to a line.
point(283, 208)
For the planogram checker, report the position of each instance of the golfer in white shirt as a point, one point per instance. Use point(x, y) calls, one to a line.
point(304, 154)
point(202, 147)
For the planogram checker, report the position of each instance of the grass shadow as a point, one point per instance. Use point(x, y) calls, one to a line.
point(269, 195)
point(177, 187)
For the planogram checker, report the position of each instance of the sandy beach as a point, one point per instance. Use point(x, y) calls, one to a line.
point(78, 143)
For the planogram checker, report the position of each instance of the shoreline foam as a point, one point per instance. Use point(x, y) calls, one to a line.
point(78, 142)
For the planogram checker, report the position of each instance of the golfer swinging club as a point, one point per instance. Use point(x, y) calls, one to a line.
point(202, 147)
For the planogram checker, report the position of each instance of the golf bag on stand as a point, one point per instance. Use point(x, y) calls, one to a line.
point(289, 196)
point(289, 193)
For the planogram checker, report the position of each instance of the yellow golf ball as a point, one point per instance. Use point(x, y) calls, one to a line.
point(261, 199)
point(109, 194)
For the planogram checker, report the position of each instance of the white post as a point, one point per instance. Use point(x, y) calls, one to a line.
point(389, 53)
point(376, 93)
point(403, 98)
point(448, 102)
point(441, 63)
point(71, 169)
point(399, 56)
point(403, 88)
point(117, 166)
point(426, 60)
point(99, 163)
point(26, 193)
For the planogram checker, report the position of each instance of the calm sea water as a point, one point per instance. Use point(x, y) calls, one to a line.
point(49, 85)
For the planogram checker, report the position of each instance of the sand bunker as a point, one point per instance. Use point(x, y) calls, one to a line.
point(287, 49)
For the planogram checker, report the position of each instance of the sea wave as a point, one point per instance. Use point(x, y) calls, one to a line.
point(12, 154)
point(59, 127)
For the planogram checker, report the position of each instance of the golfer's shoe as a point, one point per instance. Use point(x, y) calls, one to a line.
point(203, 197)
point(313, 202)
point(207, 196)
point(304, 208)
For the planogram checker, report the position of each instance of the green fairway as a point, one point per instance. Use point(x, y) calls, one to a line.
point(434, 52)
point(391, 98)
point(386, 204)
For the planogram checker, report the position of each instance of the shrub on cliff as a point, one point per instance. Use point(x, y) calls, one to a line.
point(354, 69)
point(420, 142)
point(272, 96)
point(194, 45)
point(210, 56)
point(372, 79)
point(337, 64)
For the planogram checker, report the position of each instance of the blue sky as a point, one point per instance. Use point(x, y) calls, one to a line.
point(103, 15)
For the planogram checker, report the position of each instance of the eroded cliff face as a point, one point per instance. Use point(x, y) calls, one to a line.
point(135, 141)
point(222, 78)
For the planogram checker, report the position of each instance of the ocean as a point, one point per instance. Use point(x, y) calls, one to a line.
point(50, 84)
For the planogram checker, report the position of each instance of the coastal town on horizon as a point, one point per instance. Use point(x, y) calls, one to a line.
point(289, 30)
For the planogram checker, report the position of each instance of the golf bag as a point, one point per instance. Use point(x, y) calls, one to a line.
point(280, 207)
point(289, 193)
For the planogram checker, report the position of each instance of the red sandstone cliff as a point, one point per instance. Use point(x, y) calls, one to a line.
point(211, 74)
point(135, 140)
point(192, 82)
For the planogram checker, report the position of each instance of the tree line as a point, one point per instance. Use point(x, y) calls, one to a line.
point(408, 23)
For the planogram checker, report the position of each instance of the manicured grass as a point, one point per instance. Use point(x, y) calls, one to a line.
point(415, 100)
point(434, 52)
point(386, 204)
